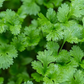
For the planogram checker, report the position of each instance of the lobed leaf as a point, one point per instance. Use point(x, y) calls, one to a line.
point(77, 53)
point(63, 12)
point(7, 53)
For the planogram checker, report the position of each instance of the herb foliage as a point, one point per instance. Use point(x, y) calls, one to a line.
point(42, 42)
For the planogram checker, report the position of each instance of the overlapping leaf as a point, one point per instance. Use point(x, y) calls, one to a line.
point(51, 15)
point(77, 53)
point(7, 53)
point(32, 34)
point(72, 32)
point(28, 82)
point(63, 57)
point(78, 78)
point(54, 31)
point(9, 20)
point(63, 12)
point(77, 8)
point(30, 7)
point(45, 58)
point(52, 46)
point(20, 42)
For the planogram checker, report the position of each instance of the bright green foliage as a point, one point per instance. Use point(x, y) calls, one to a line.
point(9, 20)
point(38, 66)
point(20, 42)
point(51, 15)
point(77, 8)
point(58, 74)
point(78, 78)
point(63, 57)
point(22, 77)
point(82, 64)
point(40, 2)
point(77, 53)
point(28, 82)
point(56, 2)
point(52, 46)
point(1, 2)
point(60, 27)
point(37, 77)
point(30, 7)
point(72, 33)
point(55, 31)
point(6, 55)
point(54, 73)
point(63, 12)
point(43, 20)
point(47, 37)
point(52, 3)
point(32, 35)
point(44, 58)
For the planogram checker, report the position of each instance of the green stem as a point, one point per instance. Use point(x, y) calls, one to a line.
point(62, 45)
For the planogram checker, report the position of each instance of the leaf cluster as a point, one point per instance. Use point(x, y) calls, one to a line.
point(42, 42)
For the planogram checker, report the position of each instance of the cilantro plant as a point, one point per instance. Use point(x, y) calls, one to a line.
point(41, 41)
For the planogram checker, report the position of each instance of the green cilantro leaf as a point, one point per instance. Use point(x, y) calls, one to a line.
point(7, 53)
point(20, 42)
point(78, 78)
point(56, 2)
point(30, 7)
point(22, 77)
point(56, 33)
point(28, 82)
point(51, 15)
point(72, 32)
point(62, 13)
point(32, 34)
point(40, 2)
point(42, 19)
point(63, 57)
point(52, 46)
point(37, 77)
point(45, 57)
point(10, 21)
point(77, 53)
point(77, 8)
point(57, 74)
point(38, 67)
